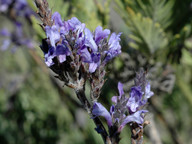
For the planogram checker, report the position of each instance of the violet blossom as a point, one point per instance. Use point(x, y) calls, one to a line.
point(19, 9)
point(93, 48)
point(100, 49)
point(125, 109)
point(15, 37)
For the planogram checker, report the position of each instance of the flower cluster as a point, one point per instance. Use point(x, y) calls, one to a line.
point(18, 7)
point(66, 39)
point(126, 109)
point(15, 37)
point(15, 10)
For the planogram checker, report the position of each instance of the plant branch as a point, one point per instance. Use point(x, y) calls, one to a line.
point(83, 99)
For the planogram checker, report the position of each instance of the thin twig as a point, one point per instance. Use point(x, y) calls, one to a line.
point(44, 12)
point(82, 97)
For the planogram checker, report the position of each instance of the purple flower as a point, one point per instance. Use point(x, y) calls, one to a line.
point(135, 117)
point(20, 8)
point(101, 34)
point(77, 28)
point(95, 62)
point(91, 47)
point(62, 51)
point(5, 44)
point(20, 5)
point(4, 5)
point(121, 92)
point(148, 92)
point(85, 55)
point(89, 42)
point(74, 24)
point(5, 32)
point(92, 42)
point(100, 110)
point(62, 26)
point(53, 34)
point(114, 47)
point(135, 99)
point(58, 34)
point(56, 17)
point(118, 112)
point(49, 56)
point(16, 37)
point(49, 59)
point(92, 58)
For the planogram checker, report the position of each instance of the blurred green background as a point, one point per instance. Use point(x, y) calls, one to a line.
point(157, 35)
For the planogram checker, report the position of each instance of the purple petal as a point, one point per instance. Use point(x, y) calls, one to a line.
point(100, 110)
point(101, 34)
point(120, 88)
point(148, 92)
point(114, 40)
point(20, 6)
point(56, 17)
point(49, 56)
point(62, 50)
point(4, 5)
point(51, 51)
point(5, 32)
point(136, 117)
point(92, 67)
point(49, 60)
point(95, 57)
point(80, 29)
point(73, 23)
point(80, 41)
point(62, 58)
point(114, 47)
point(112, 109)
point(89, 42)
point(85, 55)
point(53, 34)
point(6, 44)
point(135, 99)
point(121, 92)
point(114, 99)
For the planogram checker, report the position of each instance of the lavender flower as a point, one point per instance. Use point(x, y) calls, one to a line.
point(20, 7)
point(114, 47)
point(131, 105)
point(74, 38)
point(121, 92)
point(56, 38)
point(101, 50)
point(15, 37)
point(52, 34)
point(100, 110)
point(15, 9)
point(135, 99)
point(76, 54)
point(4, 5)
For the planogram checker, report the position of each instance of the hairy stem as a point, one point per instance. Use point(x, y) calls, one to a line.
point(84, 101)
point(136, 134)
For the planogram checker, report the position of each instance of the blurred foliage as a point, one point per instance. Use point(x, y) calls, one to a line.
point(36, 109)
point(93, 12)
